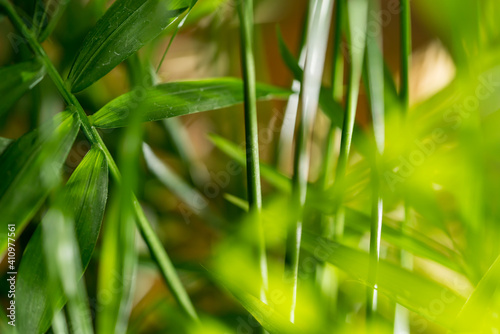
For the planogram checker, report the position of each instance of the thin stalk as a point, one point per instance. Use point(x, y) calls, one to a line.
point(375, 91)
point(404, 92)
point(401, 320)
point(328, 275)
point(317, 36)
point(155, 247)
point(39, 25)
point(357, 14)
point(179, 26)
point(337, 93)
point(51, 25)
point(245, 13)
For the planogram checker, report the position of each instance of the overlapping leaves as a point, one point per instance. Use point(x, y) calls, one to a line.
point(30, 168)
point(82, 200)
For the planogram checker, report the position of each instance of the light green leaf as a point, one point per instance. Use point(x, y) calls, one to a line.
point(327, 104)
point(271, 319)
point(269, 173)
point(409, 289)
point(178, 99)
point(125, 27)
point(4, 143)
point(84, 198)
point(476, 313)
point(193, 199)
point(16, 80)
point(30, 168)
point(412, 241)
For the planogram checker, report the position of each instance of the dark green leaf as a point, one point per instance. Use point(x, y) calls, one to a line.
point(84, 197)
point(125, 28)
point(30, 167)
point(177, 99)
point(16, 80)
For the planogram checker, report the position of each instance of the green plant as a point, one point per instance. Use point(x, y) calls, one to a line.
point(384, 222)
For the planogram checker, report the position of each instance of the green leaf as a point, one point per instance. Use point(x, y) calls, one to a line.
point(177, 28)
point(412, 241)
point(409, 289)
point(30, 168)
point(4, 143)
point(476, 313)
point(269, 173)
point(125, 27)
point(328, 105)
point(179, 98)
point(16, 80)
point(194, 200)
point(84, 196)
point(271, 319)
point(62, 257)
point(288, 57)
point(4, 320)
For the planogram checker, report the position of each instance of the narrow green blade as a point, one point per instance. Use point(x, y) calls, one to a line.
point(30, 167)
point(476, 313)
point(180, 98)
point(409, 289)
point(194, 200)
point(16, 80)
point(269, 173)
point(125, 28)
point(85, 197)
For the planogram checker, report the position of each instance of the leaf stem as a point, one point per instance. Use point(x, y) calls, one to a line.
point(154, 244)
point(405, 54)
point(375, 83)
point(317, 36)
point(357, 51)
point(245, 13)
point(401, 319)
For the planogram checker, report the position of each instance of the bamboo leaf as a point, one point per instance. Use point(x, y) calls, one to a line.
point(64, 269)
point(177, 28)
point(195, 200)
point(409, 289)
point(84, 197)
point(267, 316)
point(476, 313)
point(269, 173)
point(412, 241)
point(288, 57)
point(327, 104)
point(125, 27)
point(178, 99)
point(16, 80)
point(30, 167)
